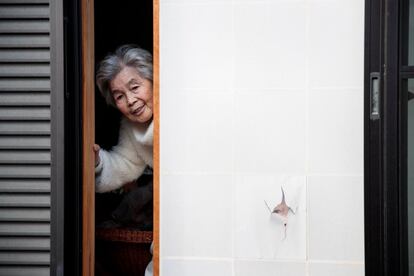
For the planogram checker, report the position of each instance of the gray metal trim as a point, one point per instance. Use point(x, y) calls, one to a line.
point(57, 138)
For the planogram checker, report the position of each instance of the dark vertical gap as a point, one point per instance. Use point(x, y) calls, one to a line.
point(73, 141)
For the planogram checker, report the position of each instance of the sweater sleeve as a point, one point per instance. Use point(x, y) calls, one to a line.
point(118, 166)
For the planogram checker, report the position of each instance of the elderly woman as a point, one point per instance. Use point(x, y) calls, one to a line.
point(125, 81)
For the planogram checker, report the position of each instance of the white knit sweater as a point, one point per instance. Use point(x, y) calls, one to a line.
point(127, 160)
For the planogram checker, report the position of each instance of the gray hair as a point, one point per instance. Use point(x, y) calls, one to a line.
point(112, 64)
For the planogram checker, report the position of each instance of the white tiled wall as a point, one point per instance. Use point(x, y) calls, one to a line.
point(256, 96)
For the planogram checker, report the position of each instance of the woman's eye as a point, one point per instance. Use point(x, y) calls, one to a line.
point(118, 97)
point(135, 88)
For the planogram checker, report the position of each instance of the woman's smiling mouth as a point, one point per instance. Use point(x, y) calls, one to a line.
point(138, 111)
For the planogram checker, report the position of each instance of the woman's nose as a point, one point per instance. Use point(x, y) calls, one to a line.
point(131, 99)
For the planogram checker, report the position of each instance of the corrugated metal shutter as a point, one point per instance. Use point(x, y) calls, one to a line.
point(25, 138)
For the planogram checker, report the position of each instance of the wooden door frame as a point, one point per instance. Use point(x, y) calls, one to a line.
point(156, 150)
point(88, 137)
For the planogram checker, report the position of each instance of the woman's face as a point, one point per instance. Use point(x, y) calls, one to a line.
point(132, 95)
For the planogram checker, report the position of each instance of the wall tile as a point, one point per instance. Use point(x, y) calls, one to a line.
point(196, 46)
point(195, 267)
point(197, 215)
point(260, 235)
point(270, 132)
point(336, 132)
point(267, 53)
point(266, 268)
point(336, 218)
point(336, 49)
point(325, 269)
point(191, 2)
point(233, 81)
point(196, 131)
point(356, 4)
point(273, 2)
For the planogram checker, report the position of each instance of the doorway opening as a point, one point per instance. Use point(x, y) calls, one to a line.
point(121, 247)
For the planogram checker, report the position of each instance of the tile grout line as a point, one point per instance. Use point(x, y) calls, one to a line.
point(307, 127)
point(233, 130)
point(341, 174)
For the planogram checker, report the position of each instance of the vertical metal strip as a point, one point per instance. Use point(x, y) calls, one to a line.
point(391, 189)
point(373, 161)
point(57, 137)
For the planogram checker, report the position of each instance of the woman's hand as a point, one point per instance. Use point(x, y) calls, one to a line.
point(96, 149)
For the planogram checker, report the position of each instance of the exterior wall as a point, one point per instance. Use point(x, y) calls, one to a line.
point(256, 95)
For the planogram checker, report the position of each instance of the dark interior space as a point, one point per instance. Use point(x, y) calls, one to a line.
point(116, 24)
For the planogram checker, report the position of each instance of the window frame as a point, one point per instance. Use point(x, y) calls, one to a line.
point(88, 137)
point(386, 232)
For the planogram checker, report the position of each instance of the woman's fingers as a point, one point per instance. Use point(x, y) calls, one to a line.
point(96, 149)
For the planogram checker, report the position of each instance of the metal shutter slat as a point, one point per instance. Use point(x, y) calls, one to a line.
point(24, 1)
point(25, 99)
point(24, 186)
point(24, 55)
point(24, 200)
point(24, 11)
point(23, 258)
point(25, 113)
point(16, 229)
point(24, 243)
point(24, 157)
point(24, 41)
point(24, 128)
point(25, 214)
point(24, 171)
point(16, 142)
point(24, 271)
point(24, 70)
point(24, 26)
point(24, 85)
